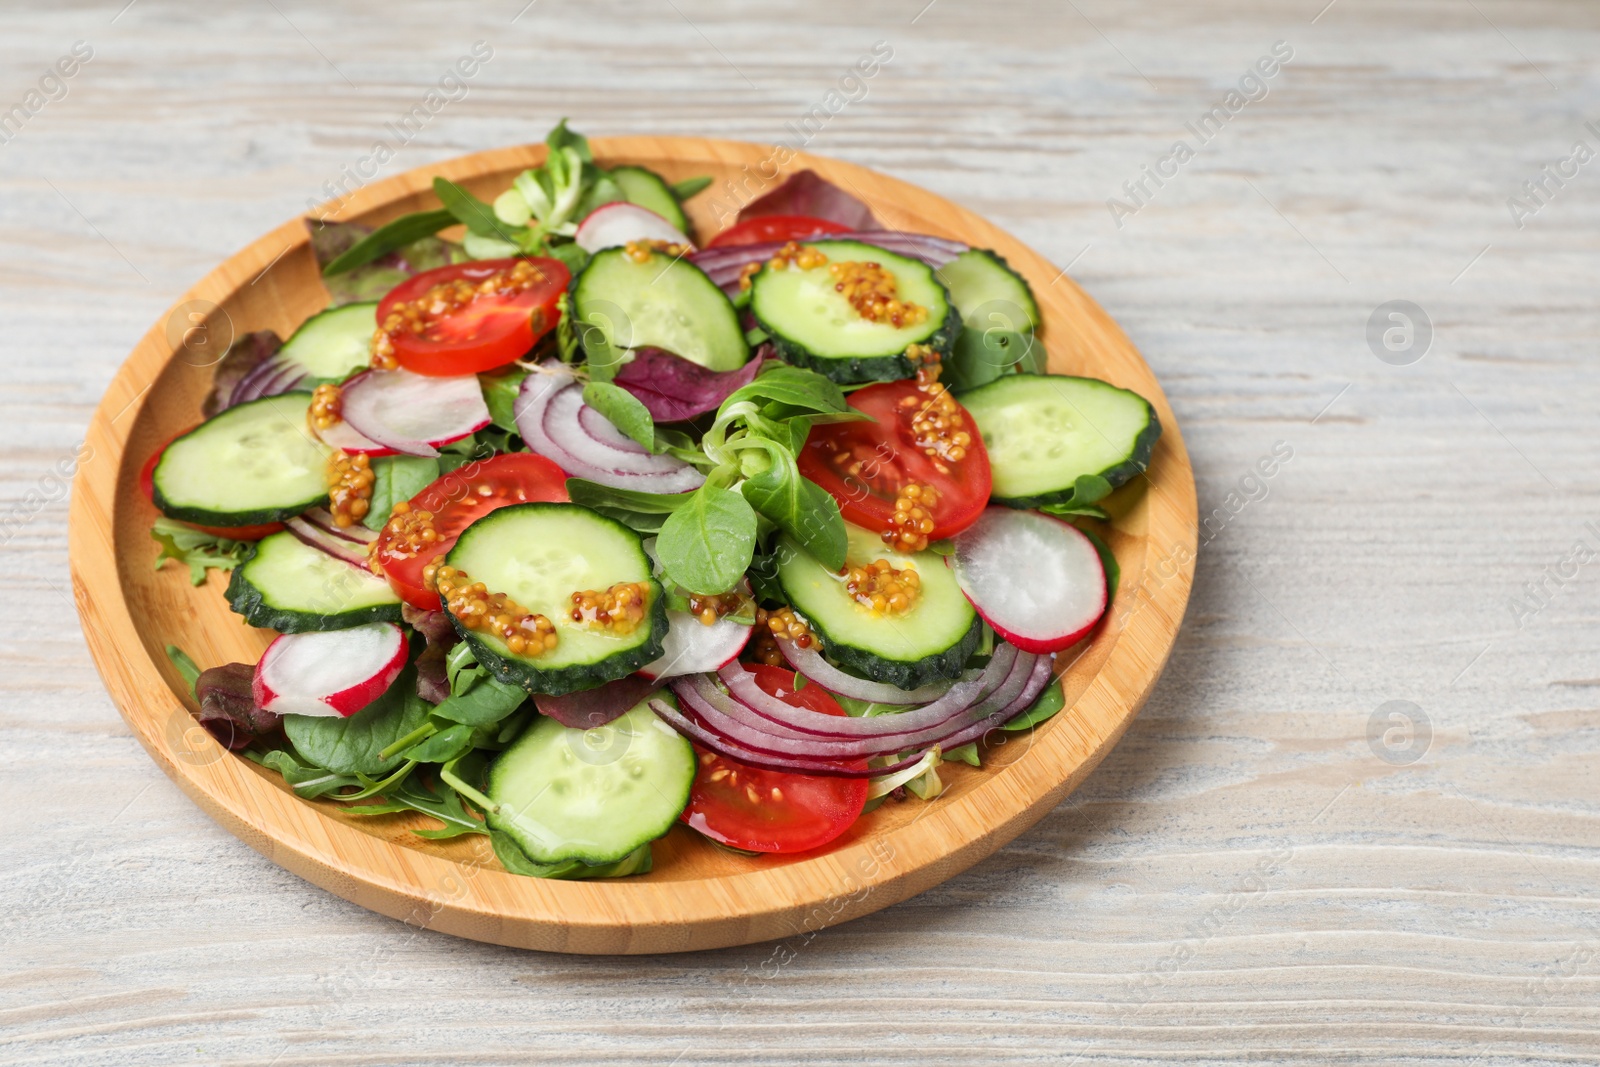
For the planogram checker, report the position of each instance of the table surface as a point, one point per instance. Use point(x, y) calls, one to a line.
point(1276, 863)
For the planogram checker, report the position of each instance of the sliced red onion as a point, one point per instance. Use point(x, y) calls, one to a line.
point(270, 377)
point(591, 436)
point(724, 265)
point(548, 416)
point(414, 413)
point(346, 438)
point(809, 662)
point(323, 520)
point(709, 740)
point(337, 547)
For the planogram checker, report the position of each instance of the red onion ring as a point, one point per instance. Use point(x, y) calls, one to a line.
point(809, 662)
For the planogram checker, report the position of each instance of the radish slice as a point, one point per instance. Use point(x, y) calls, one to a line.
point(691, 646)
point(1056, 596)
point(549, 417)
point(346, 438)
point(413, 413)
point(616, 224)
point(349, 551)
point(337, 672)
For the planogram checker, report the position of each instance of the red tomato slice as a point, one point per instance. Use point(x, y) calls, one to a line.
point(775, 228)
point(490, 331)
point(459, 499)
point(880, 457)
point(773, 811)
point(147, 485)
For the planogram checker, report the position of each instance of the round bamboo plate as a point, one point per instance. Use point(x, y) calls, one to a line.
point(697, 897)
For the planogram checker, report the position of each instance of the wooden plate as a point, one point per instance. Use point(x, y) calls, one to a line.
point(697, 896)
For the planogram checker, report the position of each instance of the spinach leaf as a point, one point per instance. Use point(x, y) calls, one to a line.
point(801, 508)
point(305, 779)
point(706, 544)
point(625, 411)
point(487, 700)
point(352, 746)
point(462, 669)
point(443, 746)
point(690, 186)
point(1108, 560)
point(197, 549)
point(396, 478)
point(1052, 700)
point(644, 512)
point(389, 237)
point(500, 392)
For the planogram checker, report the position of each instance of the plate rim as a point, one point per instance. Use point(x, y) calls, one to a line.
point(624, 916)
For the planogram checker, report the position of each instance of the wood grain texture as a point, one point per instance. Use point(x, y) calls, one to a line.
point(1441, 912)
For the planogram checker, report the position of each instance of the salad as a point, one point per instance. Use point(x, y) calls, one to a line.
point(575, 527)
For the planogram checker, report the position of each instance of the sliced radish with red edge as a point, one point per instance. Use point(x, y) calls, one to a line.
point(691, 646)
point(616, 224)
point(347, 438)
point(1037, 580)
point(337, 672)
point(414, 413)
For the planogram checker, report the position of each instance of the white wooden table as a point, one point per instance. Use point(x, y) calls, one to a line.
point(1268, 867)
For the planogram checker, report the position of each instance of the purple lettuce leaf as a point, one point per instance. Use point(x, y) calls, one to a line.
point(243, 356)
point(433, 682)
point(807, 193)
point(673, 389)
point(589, 708)
point(228, 708)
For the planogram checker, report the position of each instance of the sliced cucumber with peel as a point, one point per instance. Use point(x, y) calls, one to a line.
point(812, 324)
point(538, 555)
point(253, 463)
point(333, 344)
point(664, 302)
point(988, 293)
point(1045, 431)
point(591, 795)
point(288, 586)
point(929, 642)
point(650, 191)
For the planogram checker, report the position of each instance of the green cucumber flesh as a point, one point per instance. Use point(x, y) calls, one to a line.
point(538, 555)
point(650, 191)
point(929, 642)
point(668, 303)
point(1045, 431)
point(591, 795)
point(288, 586)
point(332, 344)
point(988, 293)
point(251, 464)
point(812, 325)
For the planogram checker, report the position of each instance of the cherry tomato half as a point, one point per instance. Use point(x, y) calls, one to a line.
point(863, 465)
point(489, 331)
point(773, 811)
point(766, 228)
point(457, 500)
point(147, 485)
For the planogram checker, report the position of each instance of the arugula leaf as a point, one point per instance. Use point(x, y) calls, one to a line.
point(307, 780)
point(1052, 700)
point(690, 186)
point(477, 216)
point(625, 411)
point(353, 745)
point(462, 669)
point(707, 543)
point(801, 508)
point(443, 746)
point(390, 237)
point(197, 549)
point(444, 805)
point(516, 861)
point(396, 478)
point(187, 668)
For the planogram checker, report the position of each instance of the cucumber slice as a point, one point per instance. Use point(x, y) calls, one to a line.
point(1045, 431)
point(539, 555)
point(650, 191)
point(331, 344)
point(288, 586)
point(618, 303)
point(988, 293)
point(927, 643)
point(251, 464)
point(813, 325)
point(591, 795)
